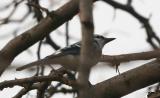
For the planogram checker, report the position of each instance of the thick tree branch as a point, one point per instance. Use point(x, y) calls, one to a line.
point(30, 37)
point(129, 81)
point(120, 85)
point(86, 59)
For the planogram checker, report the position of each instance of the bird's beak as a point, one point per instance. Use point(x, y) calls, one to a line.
point(109, 39)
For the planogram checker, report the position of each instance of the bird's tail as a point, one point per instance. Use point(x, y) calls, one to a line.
point(41, 62)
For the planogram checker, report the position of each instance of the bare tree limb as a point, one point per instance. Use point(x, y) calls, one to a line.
point(42, 86)
point(23, 91)
point(115, 87)
point(34, 79)
point(87, 49)
point(150, 32)
point(117, 59)
point(129, 81)
point(114, 59)
point(28, 38)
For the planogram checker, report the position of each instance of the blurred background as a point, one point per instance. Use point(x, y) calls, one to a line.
point(16, 17)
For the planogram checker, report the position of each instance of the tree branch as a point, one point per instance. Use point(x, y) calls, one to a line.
point(115, 59)
point(115, 87)
point(86, 60)
point(150, 33)
point(30, 37)
point(34, 79)
point(129, 81)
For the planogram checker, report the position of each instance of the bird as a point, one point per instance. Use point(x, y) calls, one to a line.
point(69, 56)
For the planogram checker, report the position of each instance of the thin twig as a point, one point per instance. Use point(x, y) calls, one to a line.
point(151, 35)
point(67, 33)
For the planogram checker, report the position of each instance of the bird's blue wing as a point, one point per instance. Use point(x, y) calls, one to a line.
point(72, 49)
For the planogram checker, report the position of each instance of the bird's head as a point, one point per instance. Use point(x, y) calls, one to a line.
point(101, 40)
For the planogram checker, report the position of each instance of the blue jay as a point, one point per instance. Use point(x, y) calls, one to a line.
point(69, 57)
